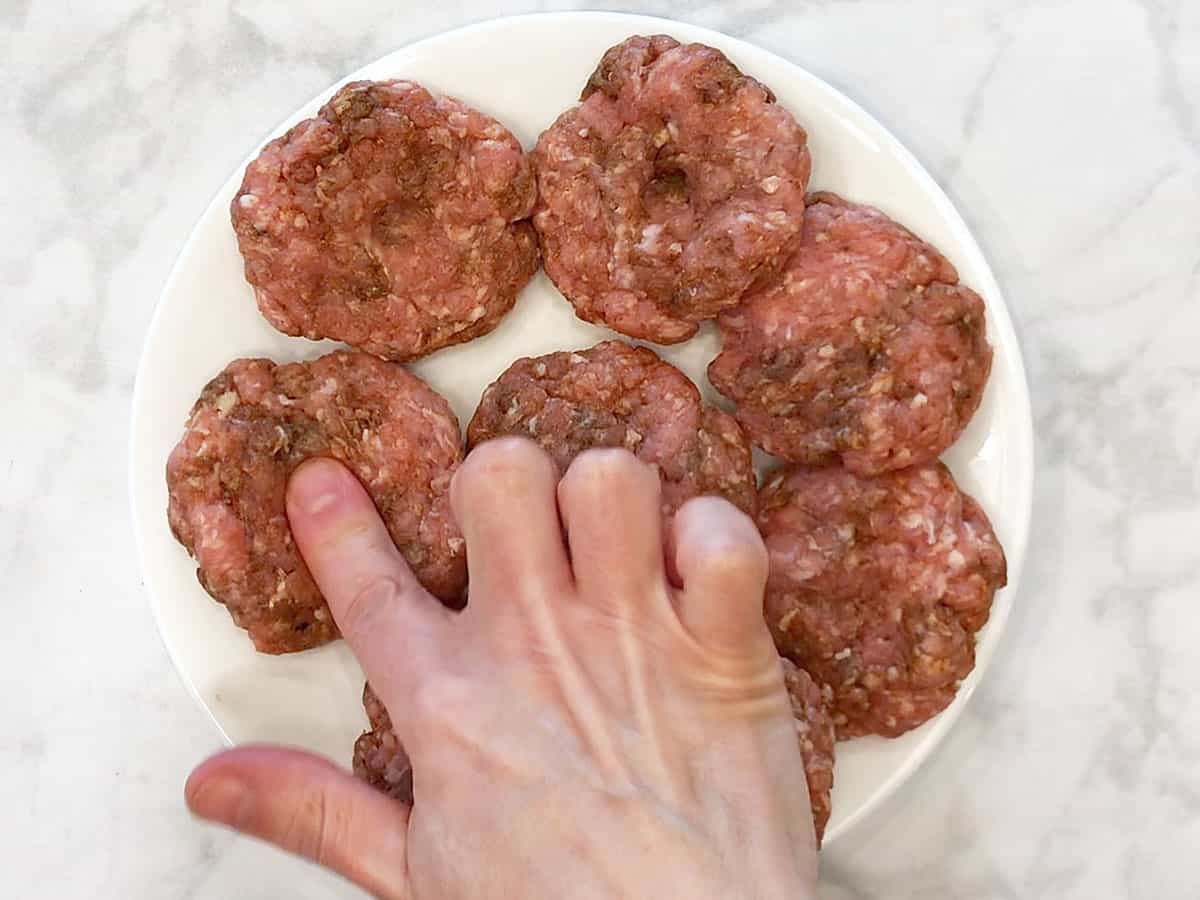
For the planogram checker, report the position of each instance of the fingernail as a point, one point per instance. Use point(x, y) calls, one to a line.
point(222, 799)
point(315, 487)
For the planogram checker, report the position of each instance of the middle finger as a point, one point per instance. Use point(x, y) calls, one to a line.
point(503, 497)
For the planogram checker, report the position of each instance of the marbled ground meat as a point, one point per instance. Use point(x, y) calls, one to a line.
point(253, 425)
point(617, 395)
point(877, 587)
point(379, 759)
point(674, 184)
point(865, 347)
point(814, 730)
point(395, 221)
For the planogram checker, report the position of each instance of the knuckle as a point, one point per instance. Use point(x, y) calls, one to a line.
point(312, 829)
point(374, 595)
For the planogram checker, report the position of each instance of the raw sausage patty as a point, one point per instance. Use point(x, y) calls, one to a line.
point(673, 185)
point(617, 395)
point(394, 221)
point(865, 347)
point(877, 587)
point(379, 760)
point(253, 425)
point(814, 730)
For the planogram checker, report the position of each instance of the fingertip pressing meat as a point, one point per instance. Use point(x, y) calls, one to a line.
point(815, 732)
point(676, 183)
point(618, 395)
point(877, 587)
point(253, 425)
point(379, 759)
point(395, 221)
point(865, 348)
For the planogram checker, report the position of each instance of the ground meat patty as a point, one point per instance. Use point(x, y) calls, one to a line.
point(379, 760)
point(864, 347)
point(394, 221)
point(253, 425)
point(674, 184)
point(617, 395)
point(877, 586)
point(814, 729)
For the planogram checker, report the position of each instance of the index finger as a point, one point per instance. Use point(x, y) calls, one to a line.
point(393, 625)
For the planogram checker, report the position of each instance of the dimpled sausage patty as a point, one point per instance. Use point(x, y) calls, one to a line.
point(877, 587)
point(671, 187)
point(617, 395)
point(865, 348)
point(253, 425)
point(395, 221)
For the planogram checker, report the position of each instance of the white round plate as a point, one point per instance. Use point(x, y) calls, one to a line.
point(525, 71)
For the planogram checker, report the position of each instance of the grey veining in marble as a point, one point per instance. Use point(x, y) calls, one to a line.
point(1067, 131)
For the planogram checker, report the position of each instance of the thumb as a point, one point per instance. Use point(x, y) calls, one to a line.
point(307, 806)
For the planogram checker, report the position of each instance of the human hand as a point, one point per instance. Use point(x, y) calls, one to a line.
point(589, 726)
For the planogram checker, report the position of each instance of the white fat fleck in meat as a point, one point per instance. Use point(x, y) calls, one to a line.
point(918, 401)
point(770, 184)
point(247, 201)
point(649, 238)
point(226, 402)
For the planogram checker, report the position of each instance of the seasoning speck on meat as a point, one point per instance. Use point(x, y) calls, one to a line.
point(877, 587)
point(253, 425)
point(864, 348)
point(395, 221)
point(675, 183)
point(617, 395)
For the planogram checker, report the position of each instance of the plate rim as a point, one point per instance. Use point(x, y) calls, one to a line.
point(1003, 334)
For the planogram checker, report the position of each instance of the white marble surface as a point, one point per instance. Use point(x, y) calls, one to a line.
point(1068, 131)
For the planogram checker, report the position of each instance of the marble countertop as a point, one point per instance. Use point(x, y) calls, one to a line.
point(1068, 132)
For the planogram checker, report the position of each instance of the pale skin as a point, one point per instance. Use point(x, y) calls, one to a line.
point(605, 719)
